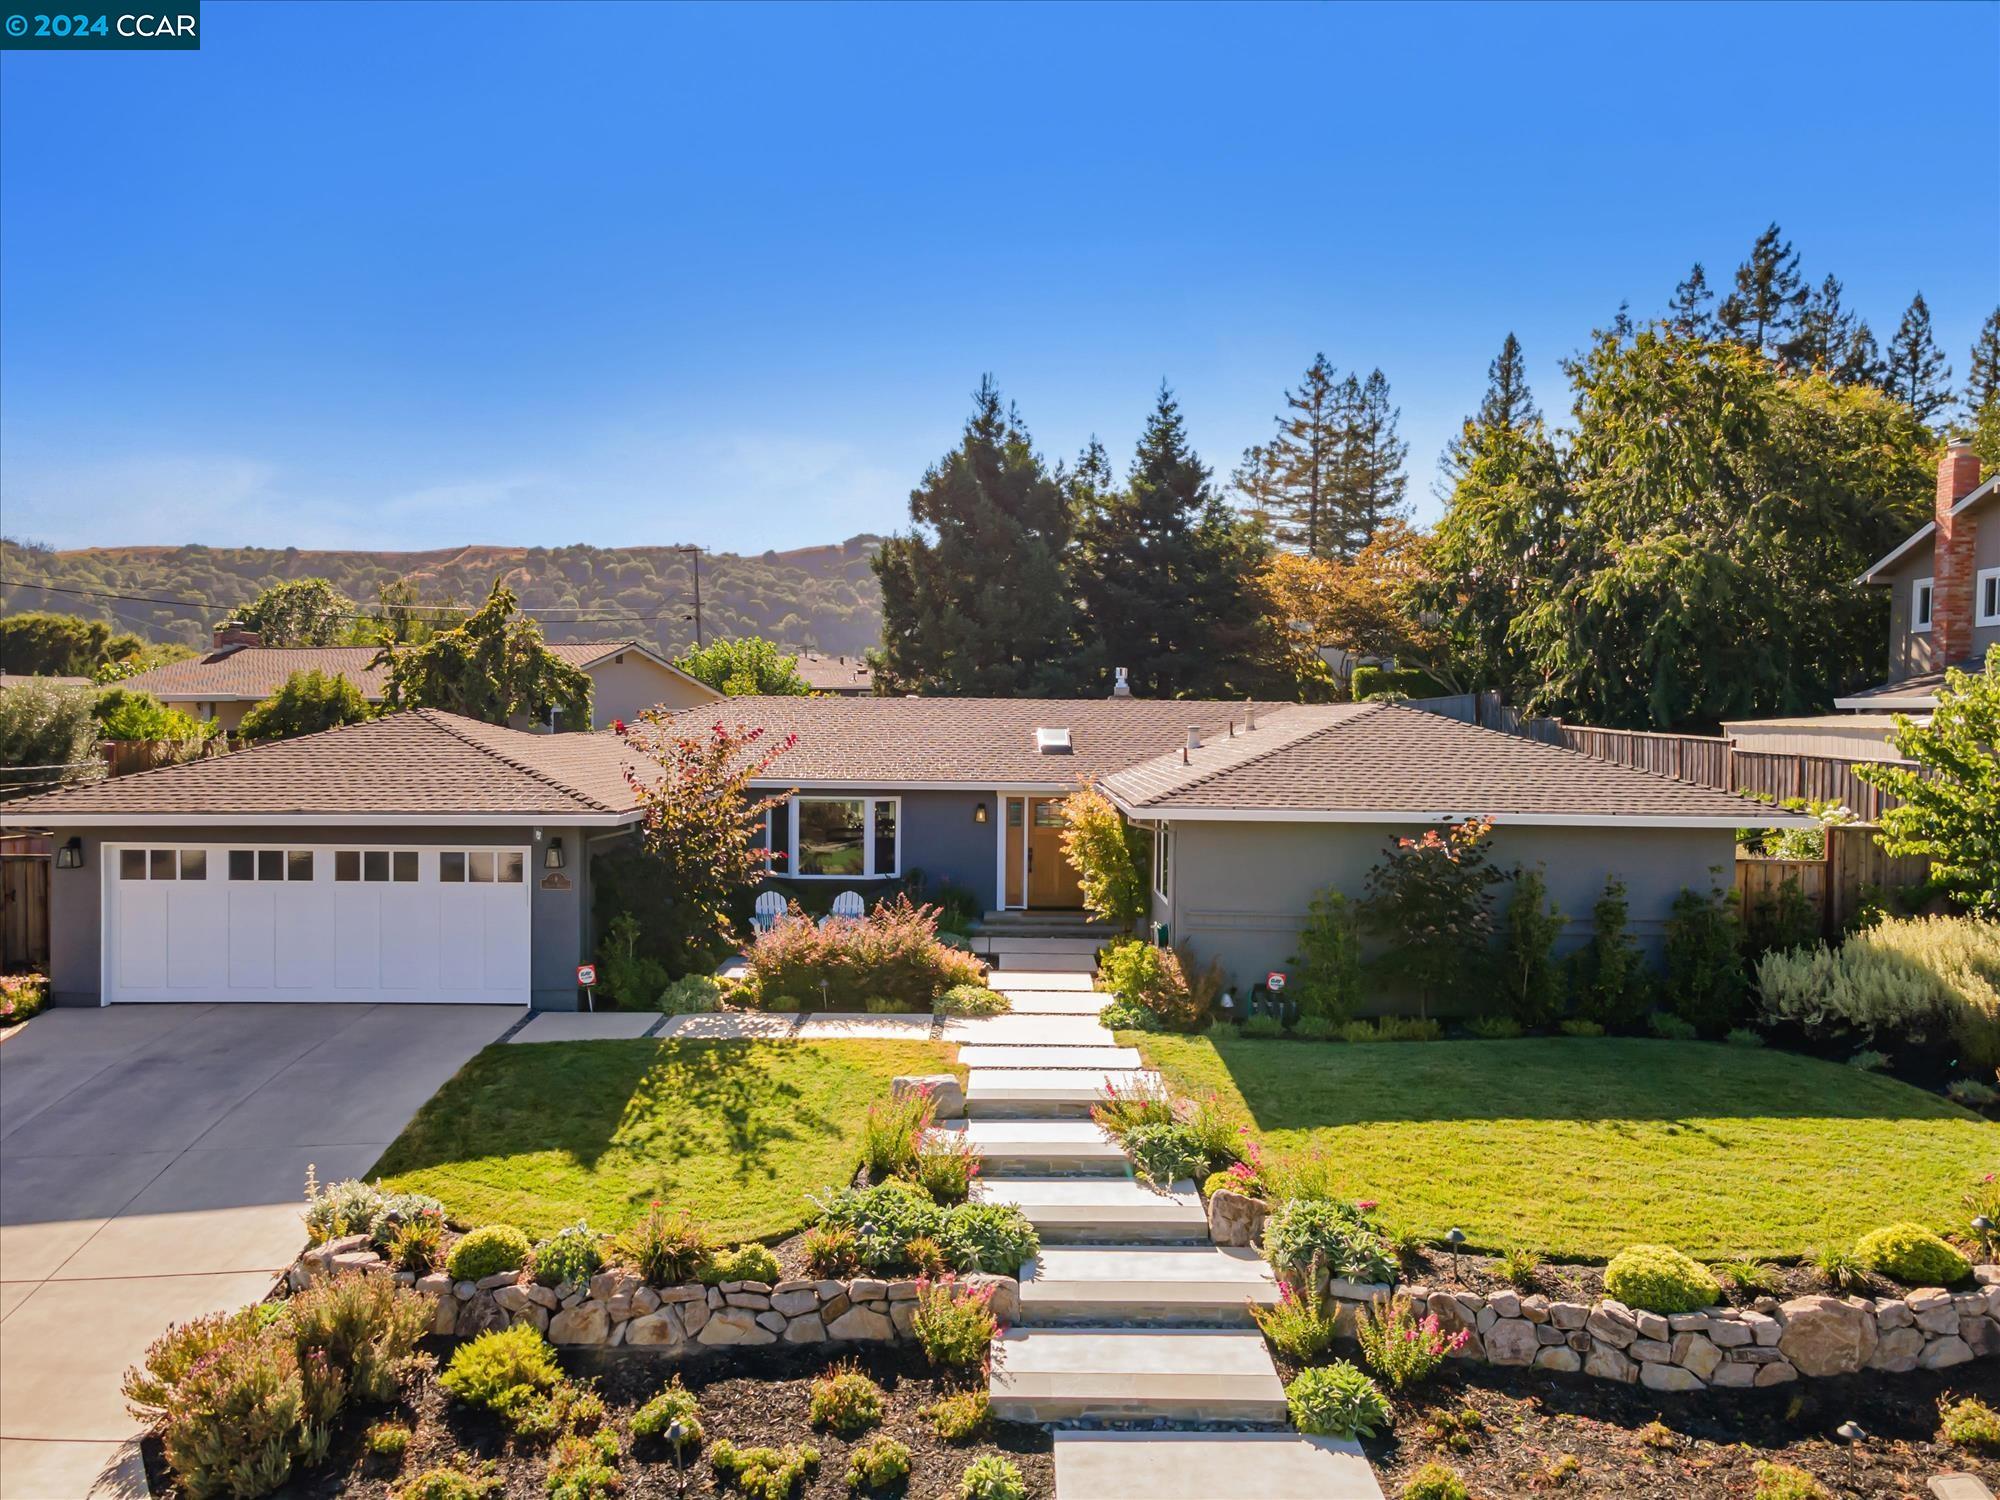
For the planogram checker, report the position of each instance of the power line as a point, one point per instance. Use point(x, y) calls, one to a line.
point(566, 614)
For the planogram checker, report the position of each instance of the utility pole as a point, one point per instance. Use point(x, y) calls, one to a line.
point(695, 554)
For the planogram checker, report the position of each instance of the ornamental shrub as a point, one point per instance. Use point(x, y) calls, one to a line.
point(1969, 1423)
point(1165, 982)
point(1669, 1027)
point(892, 952)
point(1434, 1482)
point(1705, 983)
point(1336, 1235)
point(991, 1478)
point(1776, 1481)
point(1336, 1400)
point(417, 1246)
point(1326, 982)
point(1531, 981)
point(831, 1251)
point(447, 1483)
point(845, 1401)
point(1164, 1154)
point(361, 1326)
point(878, 1464)
point(1109, 857)
point(892, 1131)
point(744, 1263)
point(569, 1255)
point(656, 1418)
point(959, 1417)
point(1402, 1347)
point(235, 1423)
point(692, 994)
point(883, 1220)
point(994, 1237)
point(149, 1385)
point(487, 1252)
point(971, 1000)
point(393, 1210)
point(489, 1371)
point(1658, 1278)
point(764, 1473)
point(945, 1166)
point(388, 1441)
point(954, 1324)
point(1901, 978)
point(340, 1208)
point(1299, 1325)
point(583, 1468)
point(1608, 979)
point(1145, 1103)
point(1912, 1255)
point(665, 1248)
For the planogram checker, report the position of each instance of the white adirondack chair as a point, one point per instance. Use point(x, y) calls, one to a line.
point(770, 906)
point(846, 904)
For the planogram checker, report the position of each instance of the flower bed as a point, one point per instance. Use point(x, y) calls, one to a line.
point(892, 958)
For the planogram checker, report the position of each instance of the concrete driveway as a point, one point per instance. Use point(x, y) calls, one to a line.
point(152, 1167)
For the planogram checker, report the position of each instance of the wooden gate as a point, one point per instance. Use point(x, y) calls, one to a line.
point(1854, 867)
point(24, 902)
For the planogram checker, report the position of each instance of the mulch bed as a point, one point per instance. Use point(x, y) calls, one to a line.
point(753, 1397)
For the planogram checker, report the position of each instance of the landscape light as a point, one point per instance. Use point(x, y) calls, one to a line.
point(1454, 1237)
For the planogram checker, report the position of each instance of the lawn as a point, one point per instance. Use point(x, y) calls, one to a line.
point(544, 1135)
point(1578, 1147)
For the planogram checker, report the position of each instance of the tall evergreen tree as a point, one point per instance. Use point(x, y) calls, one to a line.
point(1369, 482)
point(1982, 381)
point(1287, 482)
point(1825, 332)
point(1691, 313)
point(1917, 374)
point(1764, 308)
point(1862, 362)
point(975, 597)
point(1507, 407)
point(1166, 573)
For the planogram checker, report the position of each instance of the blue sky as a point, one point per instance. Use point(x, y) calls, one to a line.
point(410, 276)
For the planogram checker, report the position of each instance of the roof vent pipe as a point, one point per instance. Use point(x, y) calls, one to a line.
point(1250, 715)
point(1121, 688)
point(1194, 737)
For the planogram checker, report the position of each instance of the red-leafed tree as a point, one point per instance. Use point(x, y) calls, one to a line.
point(1432, 898)
point(701, 827)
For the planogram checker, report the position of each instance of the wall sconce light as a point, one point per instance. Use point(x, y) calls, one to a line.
point(979, 812)
point(553, 857)
point(70, 855)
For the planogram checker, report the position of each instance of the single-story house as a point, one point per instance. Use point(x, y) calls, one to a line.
point(423, 856)
point(626, 677)
point(845, 676)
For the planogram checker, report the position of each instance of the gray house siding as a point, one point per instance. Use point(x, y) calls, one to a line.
point(1240, 890)
point(1911, 653)
point(557, 917)
point(940, 837)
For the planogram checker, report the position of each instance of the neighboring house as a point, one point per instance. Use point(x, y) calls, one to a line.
point(423, 856)
point(844, 676)
point(17, 679)
point(626, 678)
point(1944, 611)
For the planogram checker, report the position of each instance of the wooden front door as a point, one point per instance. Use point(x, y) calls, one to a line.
point(1051, 880)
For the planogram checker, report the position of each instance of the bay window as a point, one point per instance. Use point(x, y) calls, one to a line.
point(845, 838)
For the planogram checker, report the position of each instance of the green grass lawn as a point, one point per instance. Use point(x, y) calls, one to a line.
point(543, 1135)
point(1579, 1147)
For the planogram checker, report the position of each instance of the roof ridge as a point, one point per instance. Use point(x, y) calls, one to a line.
point(1267, 752)
point(440, 719)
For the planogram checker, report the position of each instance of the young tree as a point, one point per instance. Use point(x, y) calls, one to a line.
point(1917, 374)
point(1508, 407)
point(1371, 606)
point(1982, 380)
point(1950, 796)
point(1530, 978)
point(976, 598)
point(1166, 573)
point(702, 827)
point(299, 612)
point(1763, 309)
point(494, 667)
point(1288, 482)
point(746, 666)
point(307, 703)
point(1431, 897)
point(1109, 856)
point(42, 644)
point(1691, 312)
point(1369, 482)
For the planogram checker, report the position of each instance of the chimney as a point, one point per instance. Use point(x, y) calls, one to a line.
point(1952, 570)
point(1121, 688)
point(1194, 737)
point(231, 635)
point(1250, 714)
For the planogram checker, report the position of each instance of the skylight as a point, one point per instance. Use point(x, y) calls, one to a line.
point(1052, 742)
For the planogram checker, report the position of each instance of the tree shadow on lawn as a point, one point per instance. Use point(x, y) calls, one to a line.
point(1617, 1082)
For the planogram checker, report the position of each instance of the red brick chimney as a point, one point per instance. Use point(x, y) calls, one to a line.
point(1952, 572)
point(232, 634)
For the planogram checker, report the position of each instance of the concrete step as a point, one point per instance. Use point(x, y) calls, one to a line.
point(1183, 1375)
point(1211, 1466)
point(1046, 1093)
point(983, 1055)
point(1011, 943)
point(1100, 1210)
point(1014, 980)
point(1041, 1148)
point(1048, 963)
point(1010, 1030)
point(1195, 1284)
point(1053, 917)
point(1056, 1002)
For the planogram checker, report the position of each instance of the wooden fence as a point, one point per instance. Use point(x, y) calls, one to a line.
point(1837, 884)
point(1685, 757)
point(1817, 778)
point(24, 902)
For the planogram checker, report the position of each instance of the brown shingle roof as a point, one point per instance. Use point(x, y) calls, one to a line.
point(835, 674)
point(1356, 760)
point(256, 672)
point(422, 763)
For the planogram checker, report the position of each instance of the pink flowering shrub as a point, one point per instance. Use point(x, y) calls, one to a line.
point(893, 954)
point(954, 1323)
point(22, 996)
point(1402, 1348)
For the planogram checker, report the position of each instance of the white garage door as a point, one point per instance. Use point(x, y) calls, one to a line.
point(325, 922)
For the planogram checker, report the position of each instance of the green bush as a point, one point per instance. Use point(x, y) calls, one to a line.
point(994, 1237)
point(1394, 682)
point(1900, 978)
point(1577, 1026)
point(831, 1251)
point(446, 1483)
point(945, 1166)
point(1969, 1423)
point(126, 714)
point(1337, 1235)
point(1608, 979)
point(764, 1473)
point(844, 1401)
point(1164, 1154)
point(1317, 1029)
point(1669, 1027)
point(1494, 1028)
point(340, 1208)
point(1392, 1029)
point(308, 703)
point(1912, 1255)
point(1300, 1325)
point(1531, 981)
point(1434, 1482)
point(1705, 983)
point(489, 1371)
point(692, 994)
point(656, 1418)
point(959, 1417)
point(569, 1255)
point(388, 1441)
point(1660, 1279)
point(991, 1478)
point(1743, 1036)
point(1336, 1400)
point(1109, 857)
point(1326, 983)
point(361, 1326)
point(1155, 980)
point(971, 1000)
point(236, 1421)
point(665, 1247)
point(417, 1246)
point(584, 1468)
point(392, 1211)
point(954, 1324)
point(893, 1130)
point(1263, 1026)
point(487, 1252)
point(1777, 1481)
point(744, 1263)
point(149, 1385)
point(877, 1464)
point(883, 1220)
point(893, 952)
point(1403, 1345)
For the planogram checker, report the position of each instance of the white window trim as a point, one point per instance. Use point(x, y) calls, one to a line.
point(1163, 853)
point(1919, 588)
point(1979, 581)
point(868, 870)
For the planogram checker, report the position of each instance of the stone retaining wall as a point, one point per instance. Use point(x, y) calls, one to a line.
point(617, 1310)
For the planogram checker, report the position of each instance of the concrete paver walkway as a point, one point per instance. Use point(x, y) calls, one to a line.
point(152, 1165)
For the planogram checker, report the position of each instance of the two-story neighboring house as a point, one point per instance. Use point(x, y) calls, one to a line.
point(1944, 611)
point(241, 672)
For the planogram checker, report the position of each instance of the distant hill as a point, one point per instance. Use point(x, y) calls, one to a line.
point(817, 598)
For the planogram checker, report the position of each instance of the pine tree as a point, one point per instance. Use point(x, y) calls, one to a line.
point(1825, 330)
point(1166, 573)
point(1763, 309)
point(1369, 482)
point(1982, 381)
point(1507, 407)
point(1917, 374)
point(1691, 313)
point(1287, 481)
point(976, 597)
point(1861, 364)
